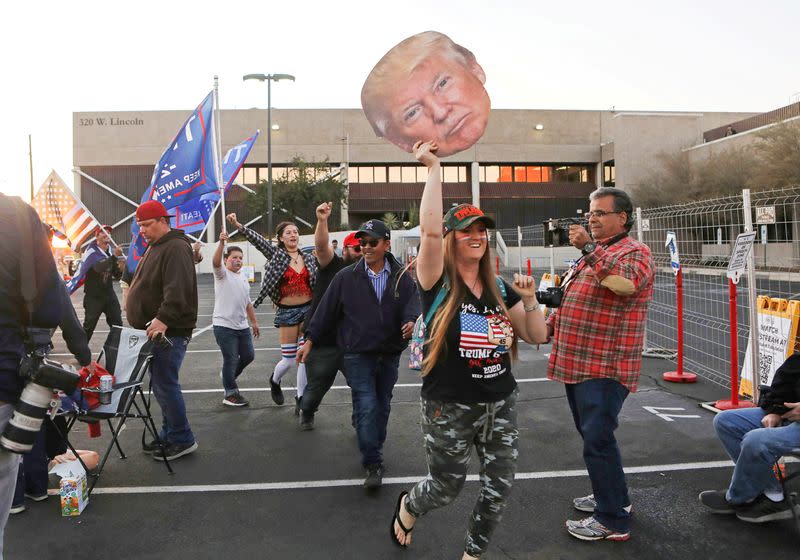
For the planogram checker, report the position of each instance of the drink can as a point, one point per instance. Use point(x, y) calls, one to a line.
point(106, 387)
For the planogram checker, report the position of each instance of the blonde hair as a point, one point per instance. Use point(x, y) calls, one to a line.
point(401, 61)
point(437, 329)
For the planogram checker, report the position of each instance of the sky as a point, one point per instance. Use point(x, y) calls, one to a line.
point(64, 57)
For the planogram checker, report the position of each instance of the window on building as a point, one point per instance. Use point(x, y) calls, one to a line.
point(534, 174)
point(250, 175)
point(506, 174)
point(278, 173)
point(422, 174)
point(365, 175)
point(408, 174)
point(379, 174)
point(449, 174)
point(609, 174)
point(395, 175)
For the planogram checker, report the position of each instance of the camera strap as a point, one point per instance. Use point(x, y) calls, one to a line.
point(27, 274)
point(572, 273)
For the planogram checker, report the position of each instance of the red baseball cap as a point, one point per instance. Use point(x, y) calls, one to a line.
point(151, 210)
point(350, 240)
point(103, 227)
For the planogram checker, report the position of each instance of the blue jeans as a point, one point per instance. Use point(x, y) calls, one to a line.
point(237, 353)
point(32, 473)
point(164, 370)
point(595, 406)
point(371, 378)
point(754, 449)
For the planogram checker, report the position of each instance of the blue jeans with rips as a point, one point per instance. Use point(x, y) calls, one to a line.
point(595, 406)
point(164, 370)
point(237, 352)
point(754, 449)
point(371, 378)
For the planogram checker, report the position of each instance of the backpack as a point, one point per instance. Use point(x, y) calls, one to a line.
point(418, 334)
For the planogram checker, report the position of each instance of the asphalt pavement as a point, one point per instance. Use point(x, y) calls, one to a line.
point(259, 488)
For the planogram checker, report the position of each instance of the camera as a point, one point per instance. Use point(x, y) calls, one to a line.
point(550, 297)
point(42, 377)
point(556, 230)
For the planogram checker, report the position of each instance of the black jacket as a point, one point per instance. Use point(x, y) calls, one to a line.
point(785, 387)
point(351, 308)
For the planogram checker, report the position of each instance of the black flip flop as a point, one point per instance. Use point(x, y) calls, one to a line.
point(396, 518)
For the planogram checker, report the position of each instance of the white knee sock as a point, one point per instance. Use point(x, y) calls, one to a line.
point(288, 353)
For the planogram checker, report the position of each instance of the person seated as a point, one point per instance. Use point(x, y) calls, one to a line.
point(755, 438)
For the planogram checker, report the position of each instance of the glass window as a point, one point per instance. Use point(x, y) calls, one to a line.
point(519, 175)
point(394, 174)
point(291, 174)
point(462, 174)
point(250, 175)
point(506, 174)
point(352, 175)
point(560, 174)
point(240, 178)
point(482, 173)
point(547, 174)
point(365, 175)
point(408, 174)
point(379, 174)
point(278, 173)
point(422, 174)
point(492, 174)
point(534, 174)
point(584, 175)
point(450, 174)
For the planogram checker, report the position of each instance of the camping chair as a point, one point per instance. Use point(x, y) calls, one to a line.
point(790, 495)
point(126, 354)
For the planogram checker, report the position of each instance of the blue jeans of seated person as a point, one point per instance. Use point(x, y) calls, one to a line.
point(237, 352)
point(754, 449)
point(595, 406)
point(164, 370)
point(371, 378)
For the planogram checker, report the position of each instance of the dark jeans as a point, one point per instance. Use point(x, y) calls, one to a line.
point(371, 378)
point(94, 306)
point(322, 364)
point(32, 474)
point(167, 390)
point(237, 353)
point(595, 406)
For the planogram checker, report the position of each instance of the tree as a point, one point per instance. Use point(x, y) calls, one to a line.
point(299, 192)
point(778, 151)
point(391, 220)
point(413, 215)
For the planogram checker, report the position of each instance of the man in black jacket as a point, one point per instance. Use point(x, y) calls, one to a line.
point(373, 328)
point(755, 438)
point(98, 290)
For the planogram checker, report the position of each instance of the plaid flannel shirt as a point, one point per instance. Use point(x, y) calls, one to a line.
point(597, 333)
point(277, 262)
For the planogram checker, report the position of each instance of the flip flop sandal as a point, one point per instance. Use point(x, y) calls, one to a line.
point(396, 518)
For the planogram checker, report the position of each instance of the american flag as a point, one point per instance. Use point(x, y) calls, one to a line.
point(58, 206)
point(475, 332)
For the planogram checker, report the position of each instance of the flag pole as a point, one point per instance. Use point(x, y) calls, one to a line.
point(218, 143)
point(30, 162)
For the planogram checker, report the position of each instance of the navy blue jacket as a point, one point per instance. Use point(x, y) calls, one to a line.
point(364, 326)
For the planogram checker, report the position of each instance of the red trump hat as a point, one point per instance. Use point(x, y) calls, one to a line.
point(151, 210)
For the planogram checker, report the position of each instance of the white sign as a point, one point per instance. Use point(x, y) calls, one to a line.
point(764, 234)
point(742, 248)
point(645, 224)
point(668, 417)
point(672, 245)
point(773, 343)
point(765, 214)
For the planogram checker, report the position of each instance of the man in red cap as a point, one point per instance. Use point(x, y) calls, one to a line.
point(325, 360)
point(163, 300)
point(98, 289)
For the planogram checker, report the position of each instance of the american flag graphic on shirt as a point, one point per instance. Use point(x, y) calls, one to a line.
point(475, 331)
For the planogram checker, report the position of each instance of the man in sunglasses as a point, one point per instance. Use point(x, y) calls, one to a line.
point(326, 359)
point(372, 306)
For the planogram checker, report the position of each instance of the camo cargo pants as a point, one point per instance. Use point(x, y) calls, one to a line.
point(450, 430)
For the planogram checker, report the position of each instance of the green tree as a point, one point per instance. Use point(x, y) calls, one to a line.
point(391, 220)
point(778, 151)
point(305, 186)
point(413, 215)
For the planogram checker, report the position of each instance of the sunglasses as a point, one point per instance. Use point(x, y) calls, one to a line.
point(371, 242)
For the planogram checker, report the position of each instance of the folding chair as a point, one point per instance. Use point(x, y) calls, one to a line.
point(790, 495)
point(126, 354)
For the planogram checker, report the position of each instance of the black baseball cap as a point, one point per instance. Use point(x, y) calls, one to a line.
point(374, 228)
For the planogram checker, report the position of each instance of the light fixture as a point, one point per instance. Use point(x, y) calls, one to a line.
point(539, 126)
point(276, 126)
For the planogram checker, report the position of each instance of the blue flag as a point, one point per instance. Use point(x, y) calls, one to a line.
point(193, 215)
point(91, 256)
point(186, 171)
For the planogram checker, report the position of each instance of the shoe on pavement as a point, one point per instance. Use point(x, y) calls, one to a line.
point(17, 509)
point(235, 400)
point(306, 421)
point(762, 509)
point(39, 498)
point(275, 391)
point(716, 502)
point(175, 450)
point(590, 529)
point(151, 446)
point(588, 504)
point(374, 477)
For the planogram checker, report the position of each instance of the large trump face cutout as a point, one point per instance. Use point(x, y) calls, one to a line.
point(427, 88)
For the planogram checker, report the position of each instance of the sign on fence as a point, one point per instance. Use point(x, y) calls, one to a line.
point(738, 262)
point(672, 245)
point(777, 335)
point(765, 214)
point(645, 224)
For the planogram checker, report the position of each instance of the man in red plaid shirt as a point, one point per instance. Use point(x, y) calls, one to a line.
point(598, 333)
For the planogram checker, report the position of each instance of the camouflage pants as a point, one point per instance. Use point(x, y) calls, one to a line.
point(450, 430)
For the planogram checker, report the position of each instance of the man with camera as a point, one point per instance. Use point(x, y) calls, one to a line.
point(162, 300)
point(29, 297)
point(598, 335)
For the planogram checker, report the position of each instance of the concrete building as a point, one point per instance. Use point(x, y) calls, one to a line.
point(530, 165)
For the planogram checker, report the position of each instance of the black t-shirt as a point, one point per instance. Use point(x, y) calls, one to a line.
point(475, 366)
point(324, 278)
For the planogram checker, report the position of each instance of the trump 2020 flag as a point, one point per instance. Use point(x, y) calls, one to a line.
point(186, 171)
point(193, 215)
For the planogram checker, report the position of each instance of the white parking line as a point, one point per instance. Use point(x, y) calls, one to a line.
point(302, 484)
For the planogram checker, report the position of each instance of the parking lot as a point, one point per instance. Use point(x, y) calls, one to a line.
point(260, 488)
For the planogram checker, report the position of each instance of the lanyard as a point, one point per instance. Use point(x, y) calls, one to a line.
point(572, 273)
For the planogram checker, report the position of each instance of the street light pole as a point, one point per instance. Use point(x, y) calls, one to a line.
point(269, 78)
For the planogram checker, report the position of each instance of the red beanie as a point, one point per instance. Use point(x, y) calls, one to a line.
point(150, 210)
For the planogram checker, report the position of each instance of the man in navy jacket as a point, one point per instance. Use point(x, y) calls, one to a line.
point(372, 305)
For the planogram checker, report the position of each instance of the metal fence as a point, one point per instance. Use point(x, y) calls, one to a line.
point(706, 232)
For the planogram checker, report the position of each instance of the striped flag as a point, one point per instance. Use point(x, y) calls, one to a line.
point(58, 206)
point(479, 331)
